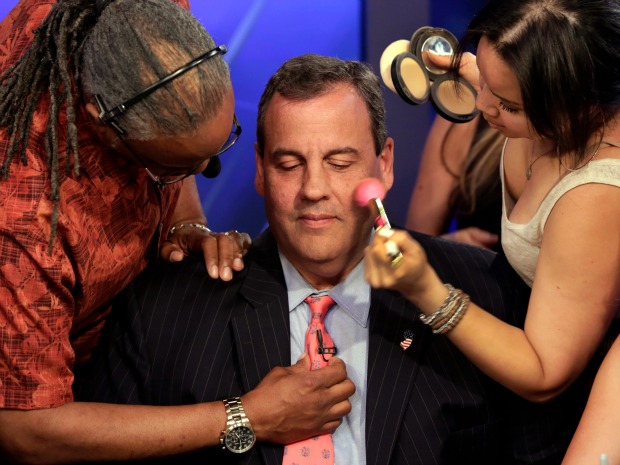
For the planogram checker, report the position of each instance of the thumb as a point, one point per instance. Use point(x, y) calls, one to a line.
point(303, 362)
point(441, 60)
point(171, 252)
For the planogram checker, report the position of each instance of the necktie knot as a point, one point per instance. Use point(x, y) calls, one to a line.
point(319, 305)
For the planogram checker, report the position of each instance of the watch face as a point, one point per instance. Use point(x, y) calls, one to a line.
point(240, 439)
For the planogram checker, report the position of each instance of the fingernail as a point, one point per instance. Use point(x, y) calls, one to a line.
point(213, 271)
point(237, 263)
point(176, 256)
point(226, 273)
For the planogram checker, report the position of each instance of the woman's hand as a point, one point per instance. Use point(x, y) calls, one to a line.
point(468, 68)
point(223, 252)
point(412, 276)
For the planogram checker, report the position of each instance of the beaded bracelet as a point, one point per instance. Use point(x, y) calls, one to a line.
point(189, 225)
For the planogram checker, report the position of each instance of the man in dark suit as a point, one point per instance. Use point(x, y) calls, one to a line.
point(178, 337)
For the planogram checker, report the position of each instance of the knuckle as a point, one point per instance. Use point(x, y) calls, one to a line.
point(351, 386)
point(347, 407)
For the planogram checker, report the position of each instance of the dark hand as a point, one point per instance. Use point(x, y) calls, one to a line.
point(223, 252)
point(294, 403)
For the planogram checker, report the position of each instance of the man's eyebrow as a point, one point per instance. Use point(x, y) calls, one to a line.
point(281, 152)
point(341, 150)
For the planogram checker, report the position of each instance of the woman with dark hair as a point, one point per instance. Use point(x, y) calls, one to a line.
point(548, 79)
point(107, 110)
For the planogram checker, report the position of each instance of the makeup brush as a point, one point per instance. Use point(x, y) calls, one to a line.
point(369, 193)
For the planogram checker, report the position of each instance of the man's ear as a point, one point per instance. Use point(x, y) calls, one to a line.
point(259, 177)
point(386, 163)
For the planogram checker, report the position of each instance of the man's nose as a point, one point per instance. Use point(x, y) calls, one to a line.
point(315, 183)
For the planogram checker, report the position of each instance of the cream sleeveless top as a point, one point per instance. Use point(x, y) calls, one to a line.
point(521, 242)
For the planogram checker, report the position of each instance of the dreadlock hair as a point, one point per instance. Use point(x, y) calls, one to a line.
point(114, 49)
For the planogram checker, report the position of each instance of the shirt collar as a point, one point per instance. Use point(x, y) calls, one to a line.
point(352, 294)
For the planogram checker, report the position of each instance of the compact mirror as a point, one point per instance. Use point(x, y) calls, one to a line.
point(436, 40)
point(407, 70)
point(438, 45)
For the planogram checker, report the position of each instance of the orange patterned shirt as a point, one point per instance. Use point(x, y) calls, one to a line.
point(52, 307)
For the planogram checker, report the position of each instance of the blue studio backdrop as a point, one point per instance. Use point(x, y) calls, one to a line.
point(262, 34)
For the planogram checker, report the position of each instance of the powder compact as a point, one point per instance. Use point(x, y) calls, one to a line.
point(406, 70)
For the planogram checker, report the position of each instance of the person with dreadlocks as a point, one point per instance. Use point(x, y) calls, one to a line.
point(107, 109)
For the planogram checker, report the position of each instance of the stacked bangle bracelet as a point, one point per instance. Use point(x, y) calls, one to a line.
point(449, 313)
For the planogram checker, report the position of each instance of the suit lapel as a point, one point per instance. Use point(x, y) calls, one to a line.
point(391, 371)
point(260, 325)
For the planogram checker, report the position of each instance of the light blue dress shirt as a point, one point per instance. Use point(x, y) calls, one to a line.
point(347, 323)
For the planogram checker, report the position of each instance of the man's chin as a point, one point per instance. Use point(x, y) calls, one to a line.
point(327, 264)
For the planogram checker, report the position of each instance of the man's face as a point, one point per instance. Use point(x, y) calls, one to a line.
point(315, 154)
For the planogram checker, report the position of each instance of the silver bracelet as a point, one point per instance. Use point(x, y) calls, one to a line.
point(455, 318)
point(449, 311)
point(189, 225)
point(442, 310)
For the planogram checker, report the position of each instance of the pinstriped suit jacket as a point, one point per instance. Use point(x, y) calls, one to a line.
point(178, 337)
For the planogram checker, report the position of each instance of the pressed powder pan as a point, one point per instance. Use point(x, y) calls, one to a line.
point(409, 78)
point(388, 55)
point(455, 100)
point(404, 71)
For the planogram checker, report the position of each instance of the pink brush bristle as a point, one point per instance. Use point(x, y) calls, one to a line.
point(369, 188)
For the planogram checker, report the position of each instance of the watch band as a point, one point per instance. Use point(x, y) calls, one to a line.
point(235, 414)
point(236, 421)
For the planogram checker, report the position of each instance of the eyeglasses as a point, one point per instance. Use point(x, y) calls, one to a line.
point(162, 181)
point(232, 138)
point(109, 116)
point(212, 169)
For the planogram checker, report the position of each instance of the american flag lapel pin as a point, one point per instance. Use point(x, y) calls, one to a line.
point(408, 335)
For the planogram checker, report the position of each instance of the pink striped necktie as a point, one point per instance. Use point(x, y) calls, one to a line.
point(318, 450)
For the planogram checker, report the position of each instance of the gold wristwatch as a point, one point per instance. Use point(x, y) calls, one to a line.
point(238, 436)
